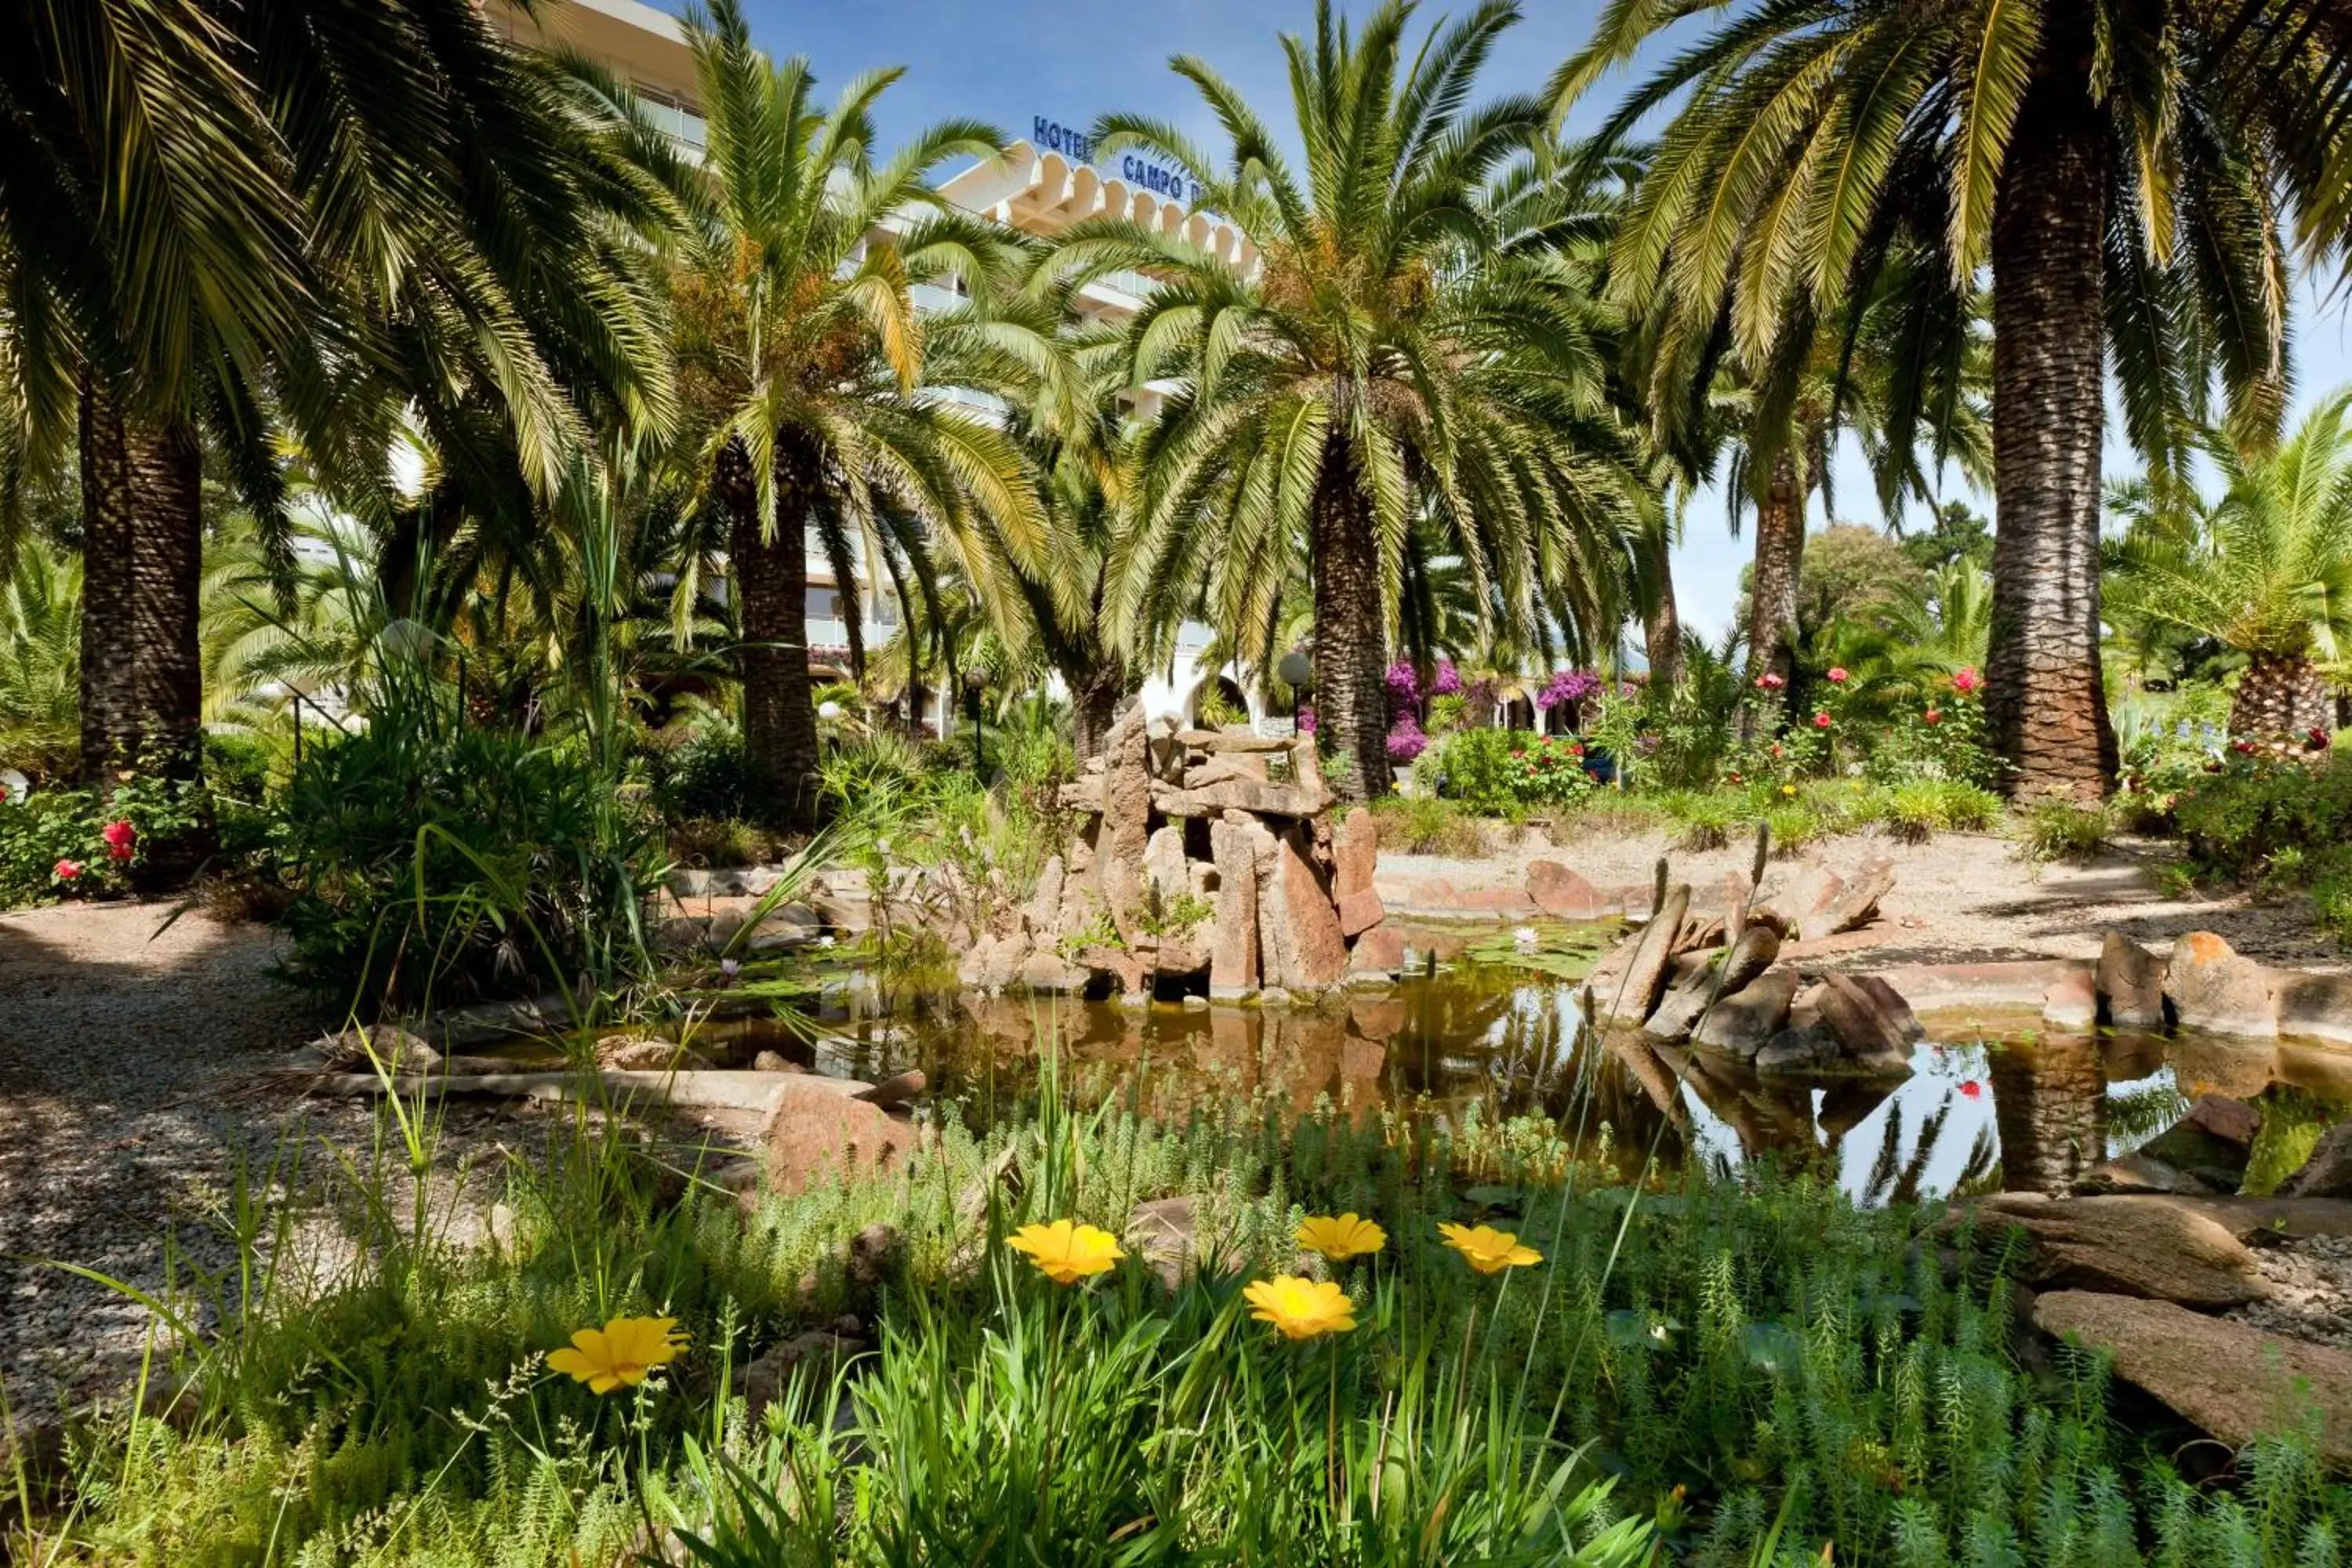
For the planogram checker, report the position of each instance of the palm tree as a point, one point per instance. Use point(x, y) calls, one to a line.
point(2133, 179)
point(40, 658)
point(2265, 570)
point(830, 412)
point(327, 215)
point(1383, 362)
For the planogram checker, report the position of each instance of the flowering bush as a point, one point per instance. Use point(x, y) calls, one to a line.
point(1502, 771)
point(1447, 681)
point(75, 843)
point(1405, 687)
point(1406, 740)
point(1571, 686)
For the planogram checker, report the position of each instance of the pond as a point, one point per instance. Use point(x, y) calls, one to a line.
point(1991, 1101)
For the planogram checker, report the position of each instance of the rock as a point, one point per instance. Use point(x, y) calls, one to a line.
point(2328, 1172)
point(1126, 821)
point(1232, 742)
point(1165, 1232)
point(1378, 1018)
point(1355, 855)
point(1299, 939)
point(2313, 1006)
point(1855, 903)
point(972, 968)
point(2138, 1173)
point(895, 1091)
point(1561, 893)
point(1081, 795)
point(1724, 975)
point(1645, 971)
point(1380, 951)
point(1741, 1022)
point(638, 1053)
point(815, 1135)
point(360, 1050)
point(1893, 1006)
point(1811, 889)
point(1165, 747)
point(2233, 1122)
point(2229, 1378)
point(1164, 866)
point(1051, 973)
point(1044, 906)
point(2072, 1002)
point(774, 1061)
point(2130, 983)
point(2212, 989)
point(1233, 941)
point(1251, 796)
point(1273, 996)
point(764, 1379)
point(2128, 1245)
point(1862, 1026)
point(1360, 912)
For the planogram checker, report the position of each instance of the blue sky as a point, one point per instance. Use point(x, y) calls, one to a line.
point(1007, 62)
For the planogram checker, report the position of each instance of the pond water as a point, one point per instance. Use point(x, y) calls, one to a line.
point(1991, 1101)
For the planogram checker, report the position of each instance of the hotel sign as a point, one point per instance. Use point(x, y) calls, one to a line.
point(1079, 148)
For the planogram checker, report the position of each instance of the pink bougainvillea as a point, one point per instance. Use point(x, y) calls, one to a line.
point(1406, 739)
point(1567, 686)
point(1447, 681)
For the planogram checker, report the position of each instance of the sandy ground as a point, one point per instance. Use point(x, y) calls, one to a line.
point(1961, 898)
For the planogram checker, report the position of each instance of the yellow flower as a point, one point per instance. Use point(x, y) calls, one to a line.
point(1301, 1308)
point(620, 1353)
point(1789, 789)
point(1490, 1251)
point(1066, 1252)
point(1342, 1238)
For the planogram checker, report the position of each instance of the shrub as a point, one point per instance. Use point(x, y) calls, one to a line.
point(1425, 824)
point(2061, 830)
point(2286, 824)
point(705, 841)
point(430, 860)
point(711, 778)
point(1503, 772)
point(76, 843)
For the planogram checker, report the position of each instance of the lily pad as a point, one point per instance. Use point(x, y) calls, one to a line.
point(1548, 947)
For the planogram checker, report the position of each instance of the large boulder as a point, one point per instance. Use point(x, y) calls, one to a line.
point(1126, 821)
point(1299, 937)
point(2212, 1144)
point(2229, 1378)
point(1355, 854)
point(2130, 983)
point(1562, 894)
point(1644, 979)
point(815, 1135)
point(364, 1050)
point(1871, 1037)
point(1741, 1022)
point(1855, 902)
point(1233, 840)
point(1164, 866)
point(2313, 1006)
point(1380, 951)
point(2213, 989)
point(1722, 975)
point(2328, 1172)
point(2130, 1246)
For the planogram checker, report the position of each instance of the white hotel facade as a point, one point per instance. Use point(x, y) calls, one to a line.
point(1043, 184)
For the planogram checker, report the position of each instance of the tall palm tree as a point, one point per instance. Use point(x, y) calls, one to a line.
point(224, 220)
point(2265, 570)
point(1383, 361)
point(2134, 179)
point(829, 410)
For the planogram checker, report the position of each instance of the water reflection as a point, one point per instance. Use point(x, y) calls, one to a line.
point(2004, 1106)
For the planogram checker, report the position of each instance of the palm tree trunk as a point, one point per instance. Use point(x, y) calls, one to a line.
point(142, 669)
point(1095, 695)
point(1780, 565)
point(2050, 1102)
point(2281, 696)
point(1664, 643)
point(770, 576)
point(1350, 635)
point(2044, 703)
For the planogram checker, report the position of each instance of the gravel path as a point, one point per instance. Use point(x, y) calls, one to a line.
point(118, 1040)
point(1961, 898)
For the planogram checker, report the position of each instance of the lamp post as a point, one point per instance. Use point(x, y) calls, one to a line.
point(1297, 672)
point(974, 682)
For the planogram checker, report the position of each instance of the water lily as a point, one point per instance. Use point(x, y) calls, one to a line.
point(1066, 1252)
point(1526, 937)
point(621, 1355)
point(1342, 1237)
point(1301, 1308)
point(1489, 1251)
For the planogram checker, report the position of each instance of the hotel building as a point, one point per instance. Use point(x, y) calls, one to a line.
point(1043, 184)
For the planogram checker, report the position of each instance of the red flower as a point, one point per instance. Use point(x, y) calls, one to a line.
point(1934, 715)
point(1821, 720)
point(1577, 748)
point(1776, 748)
point(1769, 681)
point(1731, 778)
point(2316, 738)
point(1967, 680)
point(1837, 675)
point(1517, 752)
point(65, 871)
point(1972, 1089)
point(122, 839)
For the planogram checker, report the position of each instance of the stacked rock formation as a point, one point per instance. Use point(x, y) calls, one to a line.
point(1202, 857)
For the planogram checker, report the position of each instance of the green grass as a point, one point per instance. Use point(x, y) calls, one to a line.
point(1702, 1359)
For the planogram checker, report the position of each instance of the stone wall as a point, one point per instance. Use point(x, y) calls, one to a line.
point(1205, 861)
